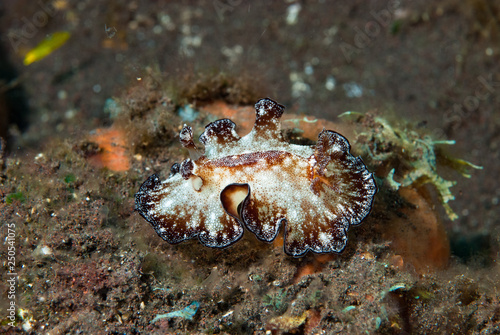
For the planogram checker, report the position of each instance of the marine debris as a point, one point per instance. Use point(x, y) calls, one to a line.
point(262, 182)
point(407, 156)
point(47, 46)
point(186, 313)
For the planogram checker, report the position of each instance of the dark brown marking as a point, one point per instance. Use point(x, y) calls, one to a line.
point(220, 132)
point(268, 113)
point(270, 157)
point(186, 169)
point(174, 169)
point(186, 137)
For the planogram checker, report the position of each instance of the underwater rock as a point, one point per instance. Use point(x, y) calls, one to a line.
point(113, 149)
point(418, 236)
point(113, 153)
point(260, 182)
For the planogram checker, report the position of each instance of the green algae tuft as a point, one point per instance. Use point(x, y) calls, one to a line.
point(407, 157)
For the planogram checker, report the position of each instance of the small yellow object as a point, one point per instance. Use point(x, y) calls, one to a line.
point(46, 47)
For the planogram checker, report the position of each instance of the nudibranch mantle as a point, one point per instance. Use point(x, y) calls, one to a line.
point(261, 182)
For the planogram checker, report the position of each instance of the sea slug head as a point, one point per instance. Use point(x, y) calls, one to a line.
point(262, 183)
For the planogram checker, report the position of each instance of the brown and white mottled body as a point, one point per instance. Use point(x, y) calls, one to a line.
point(261, 182)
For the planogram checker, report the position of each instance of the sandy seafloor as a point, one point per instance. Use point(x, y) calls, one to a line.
point(84, 262)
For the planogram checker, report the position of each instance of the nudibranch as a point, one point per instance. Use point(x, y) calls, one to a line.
point(261, 182)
